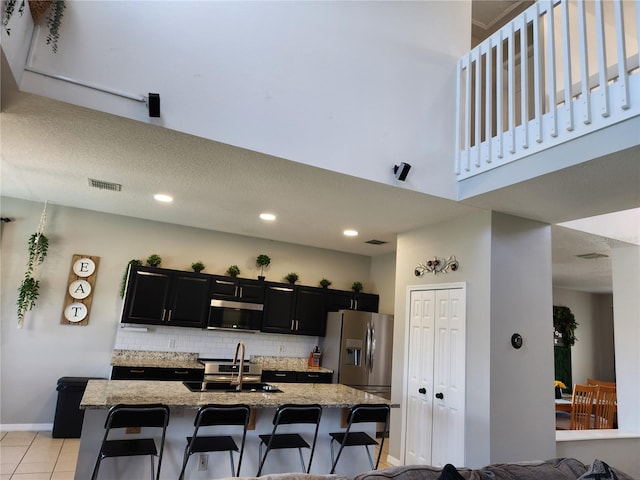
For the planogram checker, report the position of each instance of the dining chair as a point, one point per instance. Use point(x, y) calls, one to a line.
point(372, 413)
point(605, 407)
point(593, 381)
point(123, 416)
point(582, 403)
point(290, 414)
point(233, 416)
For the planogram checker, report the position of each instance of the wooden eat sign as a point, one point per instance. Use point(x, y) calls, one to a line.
point(82, 278)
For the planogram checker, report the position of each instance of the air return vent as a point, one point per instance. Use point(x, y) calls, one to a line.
point(591, 256)
point(376, 242)
point(101, 184)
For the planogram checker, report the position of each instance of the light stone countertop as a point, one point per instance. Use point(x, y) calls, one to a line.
point(103, 394)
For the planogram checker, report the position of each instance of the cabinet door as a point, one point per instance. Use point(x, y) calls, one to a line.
point(278, 376)
point(224, 288)
point(251, 290)
point(310, 314)
point(339, 300)
point(147, 296)
point(189, 303)
point(367, 302)
point(278, 309)
point(156, 373)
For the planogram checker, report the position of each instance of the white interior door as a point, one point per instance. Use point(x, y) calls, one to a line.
point(436, 377)
point(420, 388)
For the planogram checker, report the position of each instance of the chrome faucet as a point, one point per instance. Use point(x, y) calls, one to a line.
point(241, 368)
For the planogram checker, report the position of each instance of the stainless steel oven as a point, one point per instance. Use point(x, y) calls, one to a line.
point(221, 371)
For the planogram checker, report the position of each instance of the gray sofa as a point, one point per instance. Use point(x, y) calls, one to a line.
point(555, 469)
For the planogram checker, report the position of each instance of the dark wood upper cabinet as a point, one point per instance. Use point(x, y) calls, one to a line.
point(294, 310)
point(166, 297)
point(238, 289)
point(346, 300)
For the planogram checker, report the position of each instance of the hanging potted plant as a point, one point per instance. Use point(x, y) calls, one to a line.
point(54, 10)
point(30, 287)
point(262, 262)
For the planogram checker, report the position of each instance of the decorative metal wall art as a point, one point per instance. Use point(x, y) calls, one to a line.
point(437, 266)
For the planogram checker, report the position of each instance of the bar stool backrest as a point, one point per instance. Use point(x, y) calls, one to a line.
point(290, 414)
point(369, 414)
point(122, 416)
point(211, 415)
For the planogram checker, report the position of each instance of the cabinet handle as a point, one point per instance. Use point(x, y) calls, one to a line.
point(296, 325)
point(241, 292)
point(280, 374)
point(235, 291)
point(136, 371)
point(309, 375)
point(355, 304)
point(169, 316)
point(422, 390)
point(178, 372)
point(164, 313)
point(439, 396)
point(292, 324)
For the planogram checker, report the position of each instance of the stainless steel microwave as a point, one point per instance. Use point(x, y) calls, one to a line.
point(229, 315)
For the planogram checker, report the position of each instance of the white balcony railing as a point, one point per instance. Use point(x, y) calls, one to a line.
point(579, 73)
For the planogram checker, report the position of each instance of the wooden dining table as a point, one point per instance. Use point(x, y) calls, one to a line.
point(563, 405)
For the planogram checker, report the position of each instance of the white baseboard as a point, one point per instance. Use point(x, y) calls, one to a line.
point(26, 427)
point(393, 461)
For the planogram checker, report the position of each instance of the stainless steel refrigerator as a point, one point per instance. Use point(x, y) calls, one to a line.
point(358, 347)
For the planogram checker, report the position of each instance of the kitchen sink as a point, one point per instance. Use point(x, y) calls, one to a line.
point(228, 387)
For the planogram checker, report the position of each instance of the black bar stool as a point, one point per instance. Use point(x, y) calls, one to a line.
point(374, 413)
point(217, 415)
point(287, 415)
point(123, 416)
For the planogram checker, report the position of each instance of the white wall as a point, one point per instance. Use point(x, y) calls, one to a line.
point(521, 379)
point(346, 86)
point(33, 358)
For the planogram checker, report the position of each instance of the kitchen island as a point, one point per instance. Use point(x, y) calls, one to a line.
point(100, 395)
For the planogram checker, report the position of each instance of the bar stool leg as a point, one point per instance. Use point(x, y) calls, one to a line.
point(233, 467)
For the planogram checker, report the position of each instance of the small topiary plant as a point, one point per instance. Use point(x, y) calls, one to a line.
point(154, 260)
point(233, 271)
point(356, 287)
point(198, 267)
point(324, 283)
point(292, 277)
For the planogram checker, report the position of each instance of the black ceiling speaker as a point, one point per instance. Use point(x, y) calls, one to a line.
point(154, 104)
point(401, 171)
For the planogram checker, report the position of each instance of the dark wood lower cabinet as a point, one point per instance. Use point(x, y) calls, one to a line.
point(156, 373)
point(286, 376)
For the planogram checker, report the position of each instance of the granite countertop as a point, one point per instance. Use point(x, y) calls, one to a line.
point(102, 394)
point(144, 358)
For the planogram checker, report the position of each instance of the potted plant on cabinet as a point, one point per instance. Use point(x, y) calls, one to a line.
point(356, 286)
point(233, 271)
point(198, 267)
point(262, 262)
point(154, 260)
point(324, 283)
point(292, 277)
point(123, 285)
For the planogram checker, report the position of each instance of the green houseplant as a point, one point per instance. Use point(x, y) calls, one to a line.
point(356, 286)
point(233, 271)
point(30, 287)
point(197, 266)
point(123, 284)
point(292, 277)
point(262, 262)
point(324, 283)
point(565, 324)
point(154, 260)
point(38, 8)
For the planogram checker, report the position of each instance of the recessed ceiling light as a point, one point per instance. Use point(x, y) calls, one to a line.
point(268, 216)
point(350, 233)
point(161, 197)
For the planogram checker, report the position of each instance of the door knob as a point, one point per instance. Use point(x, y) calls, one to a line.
point(422, 390)
point(440, 396)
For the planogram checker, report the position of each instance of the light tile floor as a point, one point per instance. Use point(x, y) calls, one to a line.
point(37, 456)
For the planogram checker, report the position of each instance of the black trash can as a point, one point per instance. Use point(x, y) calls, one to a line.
point(68, 420)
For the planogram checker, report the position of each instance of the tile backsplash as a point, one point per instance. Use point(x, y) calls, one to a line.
point(212, 343)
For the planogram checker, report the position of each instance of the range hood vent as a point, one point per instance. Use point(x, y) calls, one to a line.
point(592, 256)
point(102, 185)
point(376, 242)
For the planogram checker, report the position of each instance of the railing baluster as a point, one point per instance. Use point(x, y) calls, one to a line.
point(510, 89)
point(585, 96)
point(623, 81)
point(477, 59)
point(499, 96)
point(568, 103)
point(602, 60)
point(524, 81)
point(538, 77)
point(488, 99)
point(551, 69)
point(467, 114)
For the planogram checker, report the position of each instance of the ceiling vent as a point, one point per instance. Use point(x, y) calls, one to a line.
point(591, 256)
point(376, 242)
point(102, 185)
